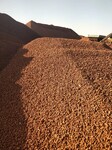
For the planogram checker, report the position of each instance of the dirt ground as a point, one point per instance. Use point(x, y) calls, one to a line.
point(56, 94)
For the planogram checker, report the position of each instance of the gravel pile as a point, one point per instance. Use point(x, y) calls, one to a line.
point(56, 94)
point(45, 30)
point(21, 31)
point(12, 35)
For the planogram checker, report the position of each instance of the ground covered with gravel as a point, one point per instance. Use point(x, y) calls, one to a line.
point(56, 94)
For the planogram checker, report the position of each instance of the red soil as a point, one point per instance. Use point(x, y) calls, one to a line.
point(45, 30)
point(57, 94)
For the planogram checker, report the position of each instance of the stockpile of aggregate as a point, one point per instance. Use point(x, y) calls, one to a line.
point(13, 35)
point(57, 94)
point(45, 30)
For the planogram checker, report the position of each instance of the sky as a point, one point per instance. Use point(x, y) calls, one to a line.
point(86, 17)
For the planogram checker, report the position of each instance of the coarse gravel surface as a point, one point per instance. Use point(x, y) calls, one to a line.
point(56, 94)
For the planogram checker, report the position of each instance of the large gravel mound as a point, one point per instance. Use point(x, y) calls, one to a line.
point(12, 35)
point(56, 94)
point(52, 31)
point(22, 32)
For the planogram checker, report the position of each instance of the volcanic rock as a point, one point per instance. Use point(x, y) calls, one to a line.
point(57, 94)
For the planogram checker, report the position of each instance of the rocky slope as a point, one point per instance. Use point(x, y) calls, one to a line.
point(57, 94)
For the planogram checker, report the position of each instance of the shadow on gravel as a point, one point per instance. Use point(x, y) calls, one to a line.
point(96, 69)
point(13, 129)
point(7, 51)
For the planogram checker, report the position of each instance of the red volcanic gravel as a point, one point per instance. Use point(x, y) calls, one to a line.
point(56, 94)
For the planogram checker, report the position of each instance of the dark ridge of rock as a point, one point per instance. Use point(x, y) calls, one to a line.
point(52, 31)
point(13, 35)
point(10, 26)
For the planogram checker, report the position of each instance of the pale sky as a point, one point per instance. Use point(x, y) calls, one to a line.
point(83, 16)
